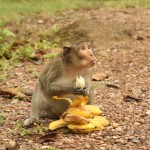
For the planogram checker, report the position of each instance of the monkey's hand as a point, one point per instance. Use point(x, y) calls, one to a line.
point(80, 91)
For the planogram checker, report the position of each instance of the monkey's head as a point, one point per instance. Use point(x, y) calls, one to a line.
point(81, 56)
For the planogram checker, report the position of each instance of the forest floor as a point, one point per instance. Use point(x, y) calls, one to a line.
point(122, 45)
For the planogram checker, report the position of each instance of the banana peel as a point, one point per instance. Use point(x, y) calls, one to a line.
point(99, 122)
point(57, 124)
point(93, 109)
point(80, 101)
point(75, 119)
point(79, 117)
point(80, 111)
point(76, 128)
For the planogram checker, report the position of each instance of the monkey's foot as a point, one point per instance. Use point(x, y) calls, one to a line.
point(28, 122)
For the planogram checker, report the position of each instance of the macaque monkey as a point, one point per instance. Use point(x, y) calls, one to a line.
point(59, 78)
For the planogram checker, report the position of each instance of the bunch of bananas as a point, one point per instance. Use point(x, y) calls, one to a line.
point(80, 118)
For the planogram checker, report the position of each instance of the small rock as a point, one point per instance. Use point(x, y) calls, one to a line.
point(137, 123)
point(102, 148)
point(40, 21)
point(44, 147)
point(119, 129)
point(30, 142)
point(148, 112)
point(115, 125)
point(12, 143)
point(130, 137)
point(14, 101)
point(87, 145)
point(114, 137)
point(135, 141)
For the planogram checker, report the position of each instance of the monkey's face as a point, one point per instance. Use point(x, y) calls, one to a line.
point(85, 57)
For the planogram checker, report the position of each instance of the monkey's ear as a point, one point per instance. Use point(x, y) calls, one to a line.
point(67, 51)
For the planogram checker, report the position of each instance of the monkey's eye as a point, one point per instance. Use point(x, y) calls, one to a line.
point(89, 46)
point(82, 48)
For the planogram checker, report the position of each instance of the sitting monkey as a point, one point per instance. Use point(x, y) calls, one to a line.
point(58, 79)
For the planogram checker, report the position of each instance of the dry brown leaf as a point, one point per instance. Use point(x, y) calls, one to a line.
point(99, 76)
point(52, 136)
point(11, 92)
point(128, 98)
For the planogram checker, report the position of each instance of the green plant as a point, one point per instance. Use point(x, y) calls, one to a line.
point(25, 51)
point(49, 55)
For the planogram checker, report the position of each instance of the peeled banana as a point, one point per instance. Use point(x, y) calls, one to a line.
point(80, 111)
point(57, 124)
point(80, 82)
point(93, 109)
point(80, 101)
point(75, 119)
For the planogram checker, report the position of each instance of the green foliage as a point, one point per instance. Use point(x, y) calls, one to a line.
point(35, 74)
point(49, 55)
point(2, 118)
point(25, 51)
point(14, 7)
point(44, 45)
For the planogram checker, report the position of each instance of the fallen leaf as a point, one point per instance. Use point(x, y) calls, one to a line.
point(52, 136)
point(112, 86)
point(11, 92)
point(128, 98)
point(99, 76)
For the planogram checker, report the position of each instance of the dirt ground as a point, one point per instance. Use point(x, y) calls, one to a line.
point(122, 46)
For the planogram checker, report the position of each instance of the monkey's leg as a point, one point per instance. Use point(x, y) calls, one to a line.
point(91, 96)
point(37, 104)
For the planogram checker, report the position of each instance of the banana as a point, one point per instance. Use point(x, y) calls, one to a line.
point(80, 111)
point(76, 128)
point(93, 109)
point(80, 101)
point(99, 122)
point(75, 119)
point(66, 99)
point(80, 82)
point(57, 124)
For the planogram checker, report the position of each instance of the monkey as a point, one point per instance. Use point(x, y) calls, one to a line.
point(58, 79)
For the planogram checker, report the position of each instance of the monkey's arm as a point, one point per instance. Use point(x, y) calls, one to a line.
point(58, 90)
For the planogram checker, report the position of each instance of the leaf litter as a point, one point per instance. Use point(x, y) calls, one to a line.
point(121, 40)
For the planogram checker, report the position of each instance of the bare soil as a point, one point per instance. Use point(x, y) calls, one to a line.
point(122, 46)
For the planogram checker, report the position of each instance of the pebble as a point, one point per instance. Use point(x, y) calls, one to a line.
point(114, 137)
point(44, 147)
point(119, 129)
point(12, 143)
point(135, 141)
point(115, 125)
point(87, 145)
point(30, 142)
point(148, 112)
point(137, 123)
point(102, 148)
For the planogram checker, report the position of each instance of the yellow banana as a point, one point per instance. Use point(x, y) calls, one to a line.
point(80, 111)
point(61, 98)
point(93, 109)
point(75, 119)
point(80, 101)
point(76, 128)
point(99, 120)
point(57, 124)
